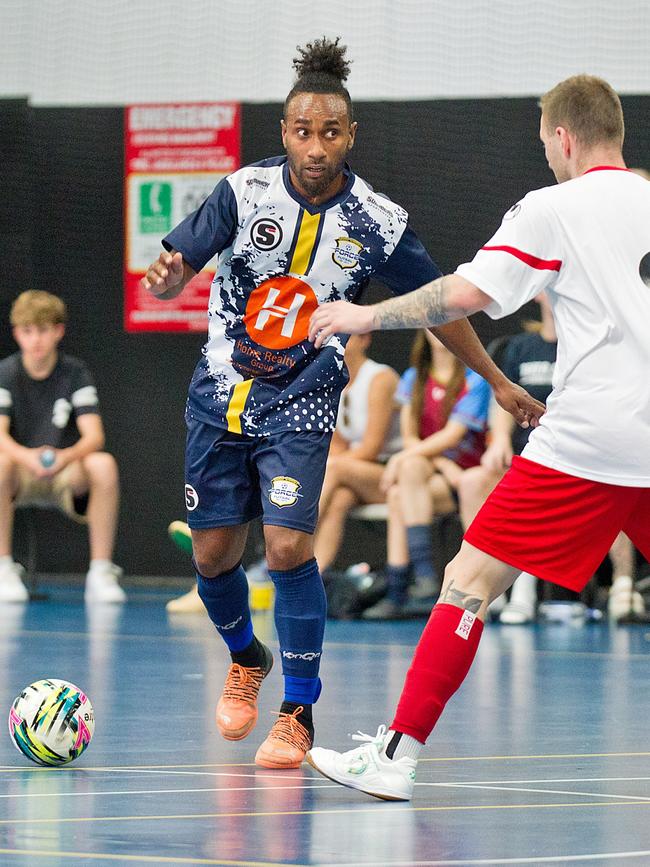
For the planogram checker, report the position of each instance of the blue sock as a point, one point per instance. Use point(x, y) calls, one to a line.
point(226, 599)
point(300, 612)
point(398, 582)
point(420, 545)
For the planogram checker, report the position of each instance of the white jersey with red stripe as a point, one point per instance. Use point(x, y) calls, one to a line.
point(586, 242)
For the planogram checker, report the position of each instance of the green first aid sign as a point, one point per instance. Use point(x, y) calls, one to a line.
point(155, 207)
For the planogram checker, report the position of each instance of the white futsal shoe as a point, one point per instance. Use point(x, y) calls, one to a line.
point(102, 584)
point(367, 769)
point(12, 588)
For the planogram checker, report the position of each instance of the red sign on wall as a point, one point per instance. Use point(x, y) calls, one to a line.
point(175, 156)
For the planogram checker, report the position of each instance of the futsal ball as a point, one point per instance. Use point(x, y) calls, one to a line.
point(51, 722)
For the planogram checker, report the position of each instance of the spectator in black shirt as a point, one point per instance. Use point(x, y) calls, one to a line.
point(51, 436)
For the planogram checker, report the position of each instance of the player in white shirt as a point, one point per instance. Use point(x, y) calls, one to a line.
point(585, 473)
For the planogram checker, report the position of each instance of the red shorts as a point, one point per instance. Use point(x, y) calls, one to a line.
point(558, 527)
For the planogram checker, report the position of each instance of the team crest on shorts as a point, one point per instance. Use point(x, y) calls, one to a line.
point(284, 491)
point(347, 252)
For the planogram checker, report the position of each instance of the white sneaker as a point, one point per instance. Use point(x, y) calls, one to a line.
point(12, 588)
point(517, 613)
point(102, 586)
point(188, 603)
point(366, 769)
point(624, 599)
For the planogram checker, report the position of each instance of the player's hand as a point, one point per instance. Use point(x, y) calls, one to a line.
point(525, 410)
point(497, 457)
point(163, 274)
point(339, 317)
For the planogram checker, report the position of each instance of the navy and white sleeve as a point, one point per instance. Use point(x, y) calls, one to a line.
point(208, 230)
point(409, 266)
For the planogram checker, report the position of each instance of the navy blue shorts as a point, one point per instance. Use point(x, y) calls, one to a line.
point(230, 479)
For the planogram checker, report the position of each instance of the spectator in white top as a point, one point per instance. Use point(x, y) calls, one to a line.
point(366, 435)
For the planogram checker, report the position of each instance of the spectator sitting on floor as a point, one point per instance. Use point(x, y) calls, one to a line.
point(51, 436)
point(529, 360)
point(443, 423)
point(366, 435)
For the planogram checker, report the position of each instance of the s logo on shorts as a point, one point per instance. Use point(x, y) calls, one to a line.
point(284, 491)
point(191, 498)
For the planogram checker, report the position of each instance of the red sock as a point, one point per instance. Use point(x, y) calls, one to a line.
point(444, 654)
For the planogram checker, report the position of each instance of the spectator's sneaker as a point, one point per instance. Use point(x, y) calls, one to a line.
point(12, 588)
point(385, 609)
point(181, 535)
point(188, 603)
point(102, 584)
point(427, 589)
point(623, 599)
point(237, 707)
point(517, 613)
point(287, 743)
point(367, 769)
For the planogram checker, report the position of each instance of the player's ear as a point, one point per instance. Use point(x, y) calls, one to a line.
point(283, 131)
point(352, 135)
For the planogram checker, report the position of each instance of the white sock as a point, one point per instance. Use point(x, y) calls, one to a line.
point(6, 560)
point(406, 746)
point(99, 564)
point(524, 590)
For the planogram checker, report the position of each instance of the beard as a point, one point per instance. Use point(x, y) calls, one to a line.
point(317, 186)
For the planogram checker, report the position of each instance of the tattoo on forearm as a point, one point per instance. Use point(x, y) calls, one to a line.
point(452, 596)
point(427, 306)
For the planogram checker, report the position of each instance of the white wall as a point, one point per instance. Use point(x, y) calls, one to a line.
point(78, 52)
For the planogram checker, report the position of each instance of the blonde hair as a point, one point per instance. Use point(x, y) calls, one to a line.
point(586, 106)
point(35, 307)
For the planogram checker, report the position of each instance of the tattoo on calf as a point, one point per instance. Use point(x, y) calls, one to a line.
point(453, 596)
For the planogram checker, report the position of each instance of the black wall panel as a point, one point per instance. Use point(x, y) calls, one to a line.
point(456, 165)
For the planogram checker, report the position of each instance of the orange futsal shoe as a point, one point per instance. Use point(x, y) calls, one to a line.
point(287, 743)
point(237, 707)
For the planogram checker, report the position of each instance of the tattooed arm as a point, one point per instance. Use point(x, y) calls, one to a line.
point(446, 300)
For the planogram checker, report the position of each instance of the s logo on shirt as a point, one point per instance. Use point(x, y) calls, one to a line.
point(266, 234)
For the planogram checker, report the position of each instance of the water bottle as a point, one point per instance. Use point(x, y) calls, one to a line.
point(48, 457)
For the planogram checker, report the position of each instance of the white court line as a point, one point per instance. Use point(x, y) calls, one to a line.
point(542, 859)
point(92, 793)
point(541, 780)
point(540, 791)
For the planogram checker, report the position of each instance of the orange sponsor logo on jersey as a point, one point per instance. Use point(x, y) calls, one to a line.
point(278, 312)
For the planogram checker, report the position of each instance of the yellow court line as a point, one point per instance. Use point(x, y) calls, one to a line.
point(444, 808)
point(143, 859)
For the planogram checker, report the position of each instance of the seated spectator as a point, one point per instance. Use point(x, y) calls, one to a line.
point(443, 422)
point(366, 435)
point(529, 360)
point(51, 436)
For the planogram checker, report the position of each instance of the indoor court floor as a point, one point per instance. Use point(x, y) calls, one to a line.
point(543, 757)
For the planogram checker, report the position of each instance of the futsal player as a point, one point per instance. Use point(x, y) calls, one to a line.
point(291, 232)
point(584, 475)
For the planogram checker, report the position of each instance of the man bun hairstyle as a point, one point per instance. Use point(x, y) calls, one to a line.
point(321, 67)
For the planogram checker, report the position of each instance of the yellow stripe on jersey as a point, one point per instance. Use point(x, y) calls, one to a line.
point(236, 405)
point(305, 244)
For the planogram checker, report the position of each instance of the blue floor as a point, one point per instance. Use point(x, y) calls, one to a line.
point(542, 757)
